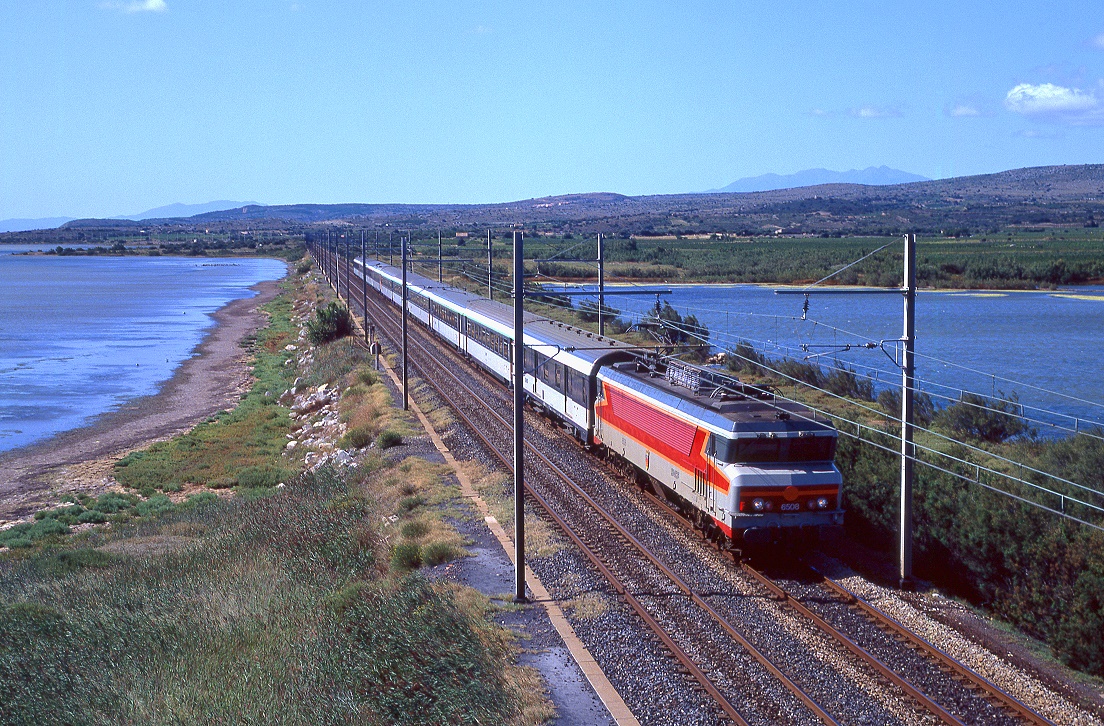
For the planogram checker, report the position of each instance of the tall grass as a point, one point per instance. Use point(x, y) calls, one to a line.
point(281, 611)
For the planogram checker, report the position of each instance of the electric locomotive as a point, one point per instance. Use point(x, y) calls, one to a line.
point(748, 467)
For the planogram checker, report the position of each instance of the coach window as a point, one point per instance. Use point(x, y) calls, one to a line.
point(576, 386)
point(544, 368)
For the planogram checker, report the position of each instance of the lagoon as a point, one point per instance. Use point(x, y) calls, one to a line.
point(81, 336)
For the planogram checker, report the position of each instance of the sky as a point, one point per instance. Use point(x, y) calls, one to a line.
point(112, 107)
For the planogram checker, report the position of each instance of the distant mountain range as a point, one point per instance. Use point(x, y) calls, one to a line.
point(171, 211)
point(1034, 197)
point(22, 225)
point(167, 212)
point(871, 176)
point(1039, 196)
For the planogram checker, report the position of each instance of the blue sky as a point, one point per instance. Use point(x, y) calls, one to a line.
point(116, 106)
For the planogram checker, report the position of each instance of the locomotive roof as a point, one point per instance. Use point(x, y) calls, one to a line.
point(737, 415)
point(563, 341)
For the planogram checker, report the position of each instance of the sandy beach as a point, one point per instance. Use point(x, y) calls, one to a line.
point(212, 380)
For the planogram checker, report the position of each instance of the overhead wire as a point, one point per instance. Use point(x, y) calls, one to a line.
point(919, 447)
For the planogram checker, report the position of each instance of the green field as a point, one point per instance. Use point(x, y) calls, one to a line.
point(1023, 258)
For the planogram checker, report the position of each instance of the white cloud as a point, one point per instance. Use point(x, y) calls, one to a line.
point(819, 113)
point(1049, 102)
point(1098, 41)
point(964, 110)
point(137, 6)
point(969, 107)
point(876, 112)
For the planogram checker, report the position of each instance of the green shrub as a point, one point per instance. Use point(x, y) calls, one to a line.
point(71, 560)
point(388, 439)
point(199, 500)
point(745, 359)
point(47, 527)
point(978, 417)
point(91, 516)
point(29, 619)
point(358, 437)
point(407, 505)
point(304, 266)
point(265, 475)
point(155, 506)
point(406, 556)
point(66, 515)
point(330, 322)
point(341, 600)
point(414, 529)
point(355, 390)
point(113, 502)
point(335, 361)
point(436, 553)
point(25, 533)
point(367, 376)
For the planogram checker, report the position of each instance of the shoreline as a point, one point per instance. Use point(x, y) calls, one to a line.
point(83, 459)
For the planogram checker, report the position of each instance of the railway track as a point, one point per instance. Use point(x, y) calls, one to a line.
point(835, 589)
point(639, 589)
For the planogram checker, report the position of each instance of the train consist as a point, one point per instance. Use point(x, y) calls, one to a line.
point(750, 469)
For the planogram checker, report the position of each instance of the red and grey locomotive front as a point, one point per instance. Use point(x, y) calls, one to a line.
point(752, 465)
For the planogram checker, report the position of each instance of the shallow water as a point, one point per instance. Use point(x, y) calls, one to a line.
point(80, 336)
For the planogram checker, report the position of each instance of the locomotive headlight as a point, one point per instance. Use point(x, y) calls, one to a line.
point(758, 505)
point(822, 503)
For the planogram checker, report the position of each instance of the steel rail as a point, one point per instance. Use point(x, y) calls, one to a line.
point(862, 653)
point(933, 652)
point(870, 659)
point(680, 654)
point(1017, 707)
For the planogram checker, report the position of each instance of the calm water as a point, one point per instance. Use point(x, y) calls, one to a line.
point(80, 336)
point(1047, 340)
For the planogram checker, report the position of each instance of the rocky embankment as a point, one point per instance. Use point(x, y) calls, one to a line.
point(317, 427)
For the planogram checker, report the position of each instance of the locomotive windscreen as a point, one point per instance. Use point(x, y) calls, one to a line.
point(774, 450)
